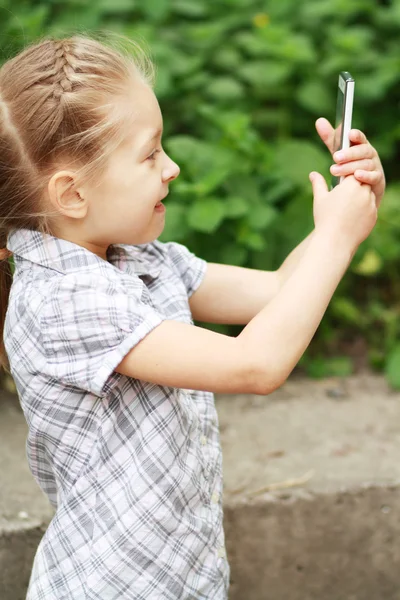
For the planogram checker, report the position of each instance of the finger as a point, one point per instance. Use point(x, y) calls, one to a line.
point(325, 132)
point(361, 151)
point(357, 137)
point(370, 177)
point(349, 168)
point(319, 185)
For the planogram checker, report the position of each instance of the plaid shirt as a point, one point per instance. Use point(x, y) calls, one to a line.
point(133, 469)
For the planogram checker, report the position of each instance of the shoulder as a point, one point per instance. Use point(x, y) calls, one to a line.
point(82, 296)
point(93, 291)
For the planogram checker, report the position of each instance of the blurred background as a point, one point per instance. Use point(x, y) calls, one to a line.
point(240, 84)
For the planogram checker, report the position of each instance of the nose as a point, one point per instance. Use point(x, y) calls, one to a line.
point(171, 171)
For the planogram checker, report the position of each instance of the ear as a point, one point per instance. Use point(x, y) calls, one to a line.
point(65, 197)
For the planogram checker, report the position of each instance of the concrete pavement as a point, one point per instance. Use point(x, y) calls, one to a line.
point(312, 493)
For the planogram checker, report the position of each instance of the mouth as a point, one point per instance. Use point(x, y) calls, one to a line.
point(160, 206)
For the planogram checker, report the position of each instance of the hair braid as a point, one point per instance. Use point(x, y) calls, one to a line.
point(64, 69)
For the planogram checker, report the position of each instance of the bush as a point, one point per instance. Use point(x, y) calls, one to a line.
point(240, 83)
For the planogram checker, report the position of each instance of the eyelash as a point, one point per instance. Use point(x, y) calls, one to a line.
point(153, 155)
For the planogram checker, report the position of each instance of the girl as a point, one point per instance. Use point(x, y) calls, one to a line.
point(114, 380)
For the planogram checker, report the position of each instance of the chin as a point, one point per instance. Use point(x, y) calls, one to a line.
point(149, 237)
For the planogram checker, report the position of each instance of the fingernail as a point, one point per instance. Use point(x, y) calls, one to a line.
point(338, 156)
point(335, 169)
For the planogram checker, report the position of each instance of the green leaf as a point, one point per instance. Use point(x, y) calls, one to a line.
point(207, 35)
point(175, 222)
point(251, 239)
point(265, 74)
point(314, 96)
point(346, 310)
point(181, 64)
point(295, 159)
point(252, 43)
point(298, 49)
point(392, 367)
point(227, 58)
point(244, 186)
point(320, 367)
point(225, 88)
point(261, 216)
point(115, 7)
point(352, 39)
point(340, 366)
point(163, 84)
point(317, 368)
point(385, 238)
point(370, 264)
point(295, 221)
point(156, 10)
point(208, 165)
point(205, 215)
point(209, 182)
point(235, 206)
point(187, 8)
point(277, 190)
point(234, 254)
point(34, 21)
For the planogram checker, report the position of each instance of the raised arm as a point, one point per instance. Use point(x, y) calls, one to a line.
point(260, 359)
point(234, 295)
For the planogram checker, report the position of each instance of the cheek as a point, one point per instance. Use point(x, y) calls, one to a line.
point(136, 190)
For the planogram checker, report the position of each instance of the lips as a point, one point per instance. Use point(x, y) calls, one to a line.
point(159, 204)
point(159, 207)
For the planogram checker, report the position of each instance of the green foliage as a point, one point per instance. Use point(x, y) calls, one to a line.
point(240, 83)
point(392, 369)
point(322, 366)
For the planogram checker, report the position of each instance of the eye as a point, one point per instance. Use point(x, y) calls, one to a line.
point(153, 155)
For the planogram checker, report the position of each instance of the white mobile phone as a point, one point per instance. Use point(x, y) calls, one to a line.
point(344, 114)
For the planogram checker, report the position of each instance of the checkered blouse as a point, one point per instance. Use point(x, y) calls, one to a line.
point(133, 469)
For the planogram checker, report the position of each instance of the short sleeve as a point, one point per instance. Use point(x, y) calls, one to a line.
point(88, 326)
point(190, 267)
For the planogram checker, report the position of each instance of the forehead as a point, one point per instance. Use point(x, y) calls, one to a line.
point(144, 109)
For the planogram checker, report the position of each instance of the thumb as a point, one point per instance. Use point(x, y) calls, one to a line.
point(319, 184)
point(326, 133)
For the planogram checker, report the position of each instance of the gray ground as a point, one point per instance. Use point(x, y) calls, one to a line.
point(312, 482)
point(345, 432)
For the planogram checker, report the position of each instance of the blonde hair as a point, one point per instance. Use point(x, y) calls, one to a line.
point(57, 104)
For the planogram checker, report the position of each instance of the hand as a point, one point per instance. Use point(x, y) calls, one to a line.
point(360, 160)
point(349, 210)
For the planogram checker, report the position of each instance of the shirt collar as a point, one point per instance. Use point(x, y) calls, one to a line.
point(67, 257)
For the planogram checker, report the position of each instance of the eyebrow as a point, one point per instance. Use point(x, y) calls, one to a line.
point(154, 136)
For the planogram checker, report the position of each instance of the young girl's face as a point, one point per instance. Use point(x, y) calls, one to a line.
point(127, 207)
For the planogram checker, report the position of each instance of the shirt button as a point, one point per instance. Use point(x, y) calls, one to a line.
point(203, 440)
point(221, 552)
point(215, 498)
